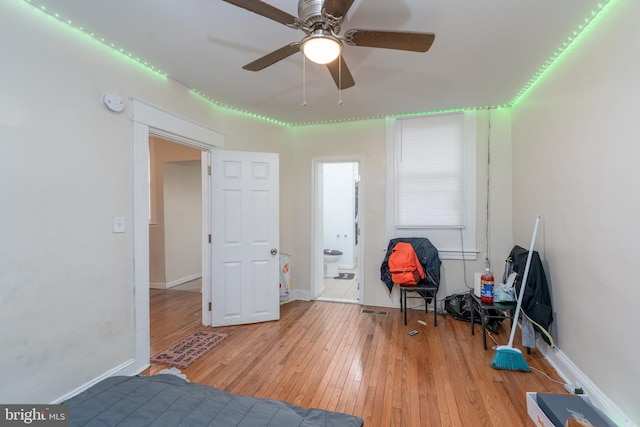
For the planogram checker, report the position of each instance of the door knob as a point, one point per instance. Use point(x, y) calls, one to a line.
point(274, 251)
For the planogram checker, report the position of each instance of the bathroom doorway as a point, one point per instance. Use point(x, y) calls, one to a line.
point(337, 237)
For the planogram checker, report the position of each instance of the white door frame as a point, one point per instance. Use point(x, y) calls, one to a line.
point(148, 120)
point(317, 260)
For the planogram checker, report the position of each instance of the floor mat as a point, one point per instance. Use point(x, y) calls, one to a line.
point(188, 350)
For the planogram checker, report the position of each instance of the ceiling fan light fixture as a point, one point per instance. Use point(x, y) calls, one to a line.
point(321, 47)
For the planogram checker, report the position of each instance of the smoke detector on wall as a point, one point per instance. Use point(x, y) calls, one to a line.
point(112, 102)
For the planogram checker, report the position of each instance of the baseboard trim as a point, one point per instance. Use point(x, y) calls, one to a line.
point(177, 282)
point(299, 294)
point(570, 373)
point(126, 368)
point(182, 280)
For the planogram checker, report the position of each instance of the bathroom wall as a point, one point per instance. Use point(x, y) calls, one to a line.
point(339, 210)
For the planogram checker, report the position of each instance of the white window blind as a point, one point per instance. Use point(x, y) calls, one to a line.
point(429, 172)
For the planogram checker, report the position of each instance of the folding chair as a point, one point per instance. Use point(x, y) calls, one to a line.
point(425, 291)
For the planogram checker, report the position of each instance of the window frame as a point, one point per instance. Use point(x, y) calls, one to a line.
point(452, 243)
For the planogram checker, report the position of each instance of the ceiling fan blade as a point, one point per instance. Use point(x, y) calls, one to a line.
point(335, 68)
point(266, 10)
point(337, 8)
point(273, 57)
point(401, 40)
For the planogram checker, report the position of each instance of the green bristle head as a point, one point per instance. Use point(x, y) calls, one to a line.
point(510, 359)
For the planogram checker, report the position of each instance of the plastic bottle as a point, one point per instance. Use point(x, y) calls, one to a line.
point(486, 287)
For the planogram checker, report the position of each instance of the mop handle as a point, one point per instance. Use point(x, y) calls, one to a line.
point(524, 284)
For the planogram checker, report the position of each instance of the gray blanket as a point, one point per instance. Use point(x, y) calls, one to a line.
point(166, 400)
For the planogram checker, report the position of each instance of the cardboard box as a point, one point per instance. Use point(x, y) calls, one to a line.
point(539, 418)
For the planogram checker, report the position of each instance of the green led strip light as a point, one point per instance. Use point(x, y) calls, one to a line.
point(237, 110)
point(147, 65)
point(558, 53)
point(532, 81)
point(122, 51)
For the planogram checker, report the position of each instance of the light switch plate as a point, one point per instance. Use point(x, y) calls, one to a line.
point(118, 224)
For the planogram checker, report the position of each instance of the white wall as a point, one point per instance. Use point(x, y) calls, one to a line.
point(183, 221)
point(66, 302)
point(366, 139)
point(575, 160)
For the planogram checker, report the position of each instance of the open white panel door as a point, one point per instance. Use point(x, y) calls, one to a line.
point(245, 237)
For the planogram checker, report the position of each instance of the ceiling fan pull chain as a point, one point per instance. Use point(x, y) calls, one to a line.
point(339, 79)
point(304, 82)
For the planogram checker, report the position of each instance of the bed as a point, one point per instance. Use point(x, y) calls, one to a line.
point(168, 400)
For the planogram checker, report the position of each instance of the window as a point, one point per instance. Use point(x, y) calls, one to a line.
point(431, 181)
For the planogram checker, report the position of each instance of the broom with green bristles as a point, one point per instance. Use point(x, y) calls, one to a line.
point(506, 356)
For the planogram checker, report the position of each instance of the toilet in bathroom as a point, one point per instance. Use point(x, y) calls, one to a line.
point(331, 258)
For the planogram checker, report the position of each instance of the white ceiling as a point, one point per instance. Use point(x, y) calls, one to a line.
point(485, 52)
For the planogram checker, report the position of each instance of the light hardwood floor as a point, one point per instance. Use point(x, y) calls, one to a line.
point(332, 356)
point(341, 289)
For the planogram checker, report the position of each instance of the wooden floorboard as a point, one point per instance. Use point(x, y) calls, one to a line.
point(333, 356)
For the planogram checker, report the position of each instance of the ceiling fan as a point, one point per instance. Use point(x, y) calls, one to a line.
point(321, 21)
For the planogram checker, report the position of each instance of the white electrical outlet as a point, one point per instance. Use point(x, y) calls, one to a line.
point(118, 224)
